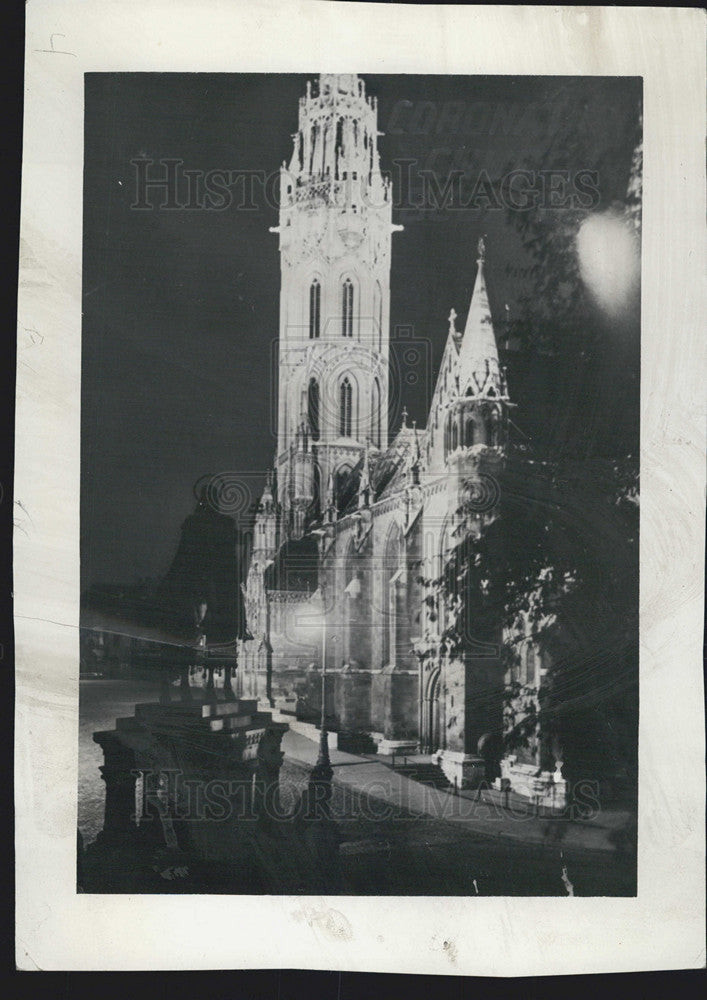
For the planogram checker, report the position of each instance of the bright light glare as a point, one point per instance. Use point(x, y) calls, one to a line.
point(609, 260)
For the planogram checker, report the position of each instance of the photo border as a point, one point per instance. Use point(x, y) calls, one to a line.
point(661, 928)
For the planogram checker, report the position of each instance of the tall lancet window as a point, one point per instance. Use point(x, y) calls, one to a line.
point(339, 140)
point(313, 407)
point(347, 308)
point(378, 313)
point(315, 304)
point(376, 413)
point(313, 148)
point(345, 397)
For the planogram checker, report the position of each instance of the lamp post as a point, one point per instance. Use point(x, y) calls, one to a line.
point(322, 770)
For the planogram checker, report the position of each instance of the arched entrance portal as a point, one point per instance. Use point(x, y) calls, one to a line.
point(430, 728)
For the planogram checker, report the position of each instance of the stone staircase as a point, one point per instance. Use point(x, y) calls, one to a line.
point(425, 772)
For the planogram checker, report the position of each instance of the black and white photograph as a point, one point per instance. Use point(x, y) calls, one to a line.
point(359, 488)
point(359, 484)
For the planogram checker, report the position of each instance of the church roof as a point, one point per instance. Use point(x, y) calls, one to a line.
point(392, 465)
point(387, 472)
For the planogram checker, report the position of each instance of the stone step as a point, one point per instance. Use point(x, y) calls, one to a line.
point(425, 774)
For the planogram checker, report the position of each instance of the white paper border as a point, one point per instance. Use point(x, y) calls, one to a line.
point(664, 926)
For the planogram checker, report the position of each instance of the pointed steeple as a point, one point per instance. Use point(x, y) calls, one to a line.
point(478, 355)
point(364, 485)
point(265, 540)
point(415, 457)
point(267, 501)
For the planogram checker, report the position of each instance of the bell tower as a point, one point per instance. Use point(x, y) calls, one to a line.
point(335, 229)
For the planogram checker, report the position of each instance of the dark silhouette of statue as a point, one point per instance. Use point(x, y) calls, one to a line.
point(201, 593)
point(201, 599)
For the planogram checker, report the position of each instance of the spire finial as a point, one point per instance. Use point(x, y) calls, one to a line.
point(404, 417)
point(415, 457)
point(452, 325)
point(481, 248)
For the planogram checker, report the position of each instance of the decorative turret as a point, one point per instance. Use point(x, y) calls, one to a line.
point(265, 540)
point(476, 418)
point(476, 414)
point(303, 480)
point(335, 150)
point(330, 511)
point(415, 463)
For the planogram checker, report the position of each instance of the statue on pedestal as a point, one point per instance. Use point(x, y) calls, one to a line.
point(201, 598)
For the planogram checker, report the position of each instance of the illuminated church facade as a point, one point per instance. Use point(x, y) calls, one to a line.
point(357, 519)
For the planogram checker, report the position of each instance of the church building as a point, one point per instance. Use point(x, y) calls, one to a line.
point(357, 517)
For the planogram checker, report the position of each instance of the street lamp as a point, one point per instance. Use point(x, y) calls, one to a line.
point(322, 770)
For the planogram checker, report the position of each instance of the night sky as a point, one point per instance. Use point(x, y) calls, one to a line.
point(180, 307)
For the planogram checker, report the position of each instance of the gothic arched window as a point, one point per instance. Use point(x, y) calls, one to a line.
point(376, 413)
point(342, 475)
point(495, 429)
point(378, 312)
point(345, 400)
point(313, 407)
point(391, 597)
point(315, 302)
point(347, 308)
point(469, 432)
point(454, 437)
point(316, 500)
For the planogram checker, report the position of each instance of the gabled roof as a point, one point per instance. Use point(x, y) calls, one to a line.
point(387, 472)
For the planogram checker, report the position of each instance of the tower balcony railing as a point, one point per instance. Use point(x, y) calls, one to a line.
point(352, 189)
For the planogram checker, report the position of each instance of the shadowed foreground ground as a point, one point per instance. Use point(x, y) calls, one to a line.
point(384, 848)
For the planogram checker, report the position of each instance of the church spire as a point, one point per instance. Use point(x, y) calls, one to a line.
point(478, 354)
point(267, 501)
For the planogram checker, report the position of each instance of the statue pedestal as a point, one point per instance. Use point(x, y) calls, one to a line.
point(197, 780)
